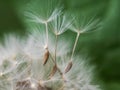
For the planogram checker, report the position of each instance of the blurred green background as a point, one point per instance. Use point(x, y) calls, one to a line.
point(102, 46)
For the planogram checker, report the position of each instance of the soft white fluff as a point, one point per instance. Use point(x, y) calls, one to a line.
point(21, 59)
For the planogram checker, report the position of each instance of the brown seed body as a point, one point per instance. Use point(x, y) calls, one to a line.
point(69, 66)
point(46, 57)
point(54, 70)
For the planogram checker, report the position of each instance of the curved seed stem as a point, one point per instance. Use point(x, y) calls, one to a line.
point(74, 47)
point(56, 47)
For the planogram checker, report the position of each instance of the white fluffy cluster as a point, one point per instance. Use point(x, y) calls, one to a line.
point(44, 60)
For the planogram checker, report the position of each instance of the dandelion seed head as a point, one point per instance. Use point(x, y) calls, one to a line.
point(44, 60)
